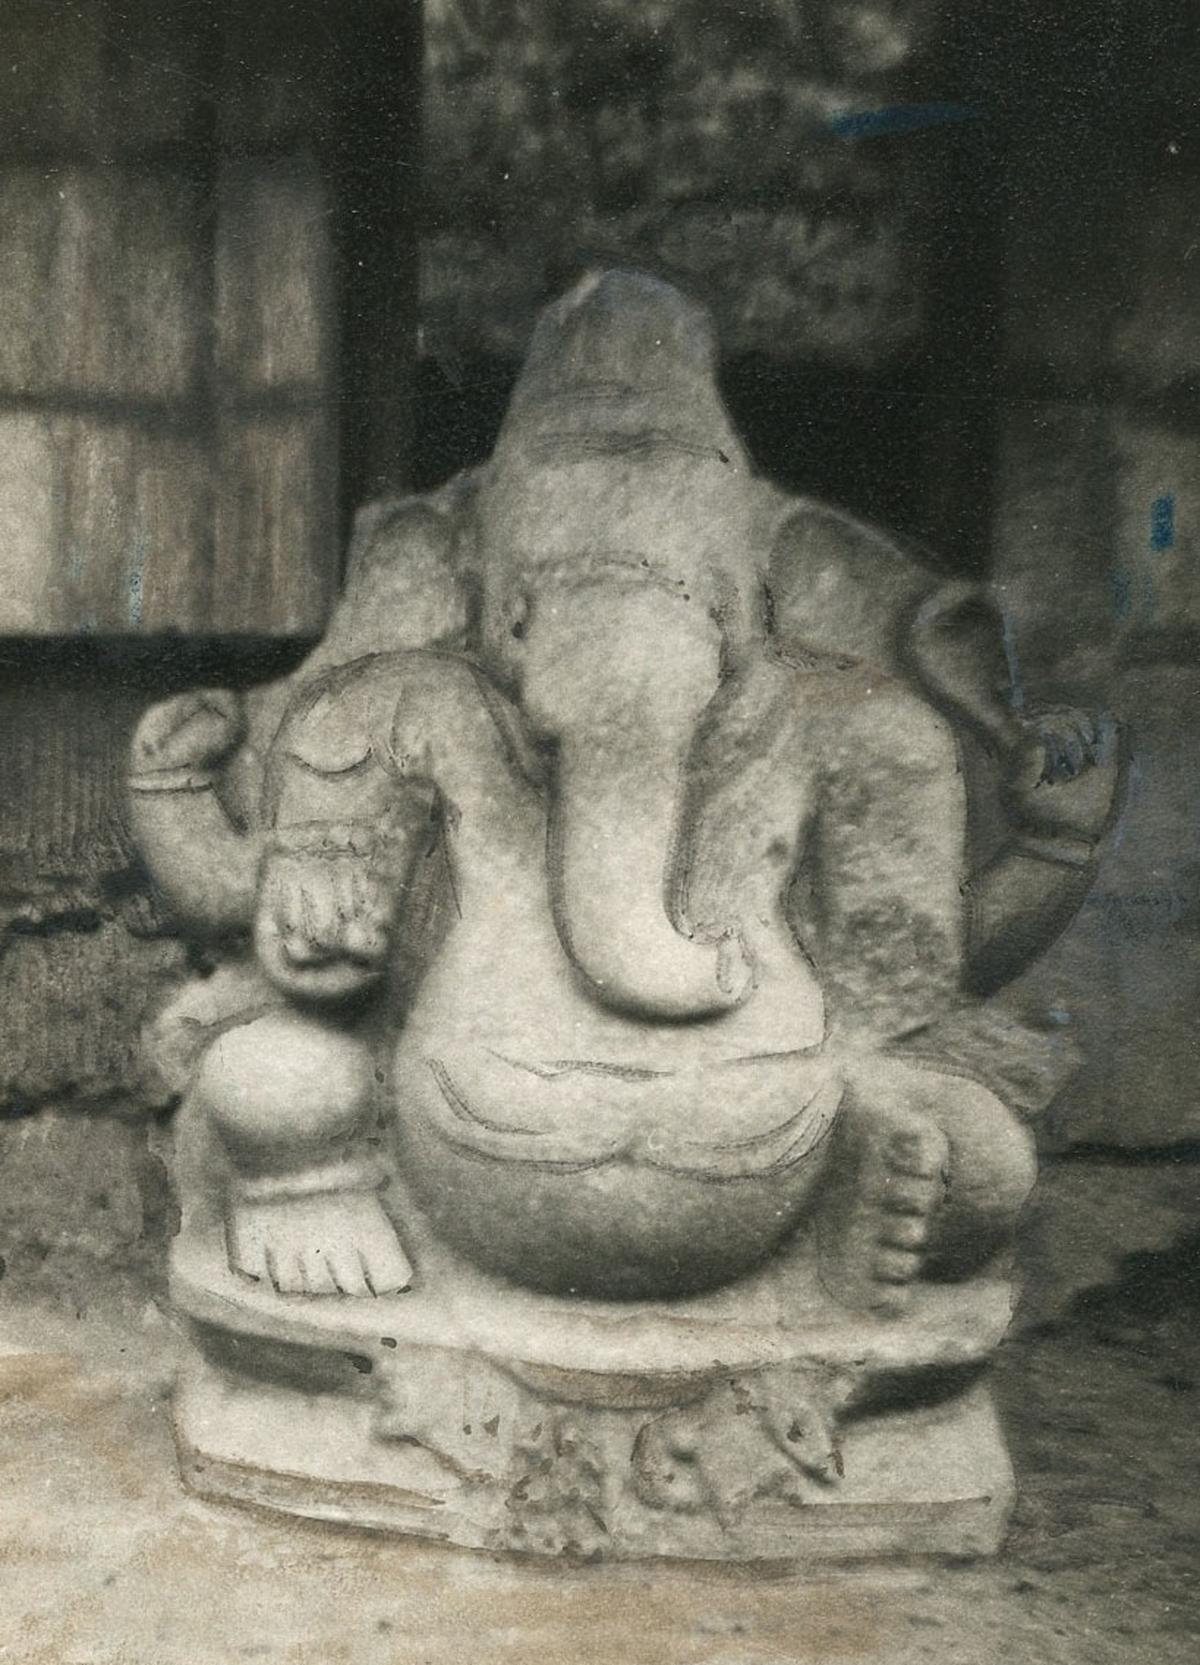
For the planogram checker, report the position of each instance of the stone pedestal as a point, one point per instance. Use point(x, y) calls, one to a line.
point(761, 1423)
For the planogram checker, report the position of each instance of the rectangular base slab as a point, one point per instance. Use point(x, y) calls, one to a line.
point(929, 1481)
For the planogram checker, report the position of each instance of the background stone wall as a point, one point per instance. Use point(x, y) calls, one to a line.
point(802, 166)
point(953, 256)
point(715, 144)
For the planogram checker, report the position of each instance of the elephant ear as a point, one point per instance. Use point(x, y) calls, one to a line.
point(956, 646)
point(842, 591)
point(407, 586)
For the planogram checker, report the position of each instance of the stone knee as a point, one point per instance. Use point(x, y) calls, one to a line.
point(286, 1094)
point(991, 1172)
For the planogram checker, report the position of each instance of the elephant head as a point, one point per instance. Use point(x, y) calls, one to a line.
point(618, 550)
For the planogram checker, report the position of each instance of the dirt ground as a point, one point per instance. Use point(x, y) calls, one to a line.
point(105, 1561)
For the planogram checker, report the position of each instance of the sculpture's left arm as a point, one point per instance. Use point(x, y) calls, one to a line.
point(1060, 799)
point(1059, 771)
point(344, 838)
point(888, 911)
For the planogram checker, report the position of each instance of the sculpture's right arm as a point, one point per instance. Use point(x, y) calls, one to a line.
point(345, 836)
point(204, 866)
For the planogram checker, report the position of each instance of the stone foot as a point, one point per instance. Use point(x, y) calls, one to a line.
point(872, 1241)
point(327, 1243)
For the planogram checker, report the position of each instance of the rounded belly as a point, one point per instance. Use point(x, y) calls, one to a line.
point(608, 1178)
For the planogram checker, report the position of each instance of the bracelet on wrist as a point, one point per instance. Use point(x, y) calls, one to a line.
point(326, 838)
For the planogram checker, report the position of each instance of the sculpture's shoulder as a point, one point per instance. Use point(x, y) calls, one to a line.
point(407, 585)
point(408, 580)
point(344, 714)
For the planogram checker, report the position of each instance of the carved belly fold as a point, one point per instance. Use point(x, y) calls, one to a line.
point(583, 1174)
point(582, 1112)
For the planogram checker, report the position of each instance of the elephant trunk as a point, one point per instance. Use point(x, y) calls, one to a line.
point(620, 680)
point(613, 844)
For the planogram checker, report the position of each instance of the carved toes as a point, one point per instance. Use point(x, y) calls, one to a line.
point(873, 1240)
point(904, 1231)
point(910, 1188)
point(909, 1195)
point(333, 1243)
point(915, 1151)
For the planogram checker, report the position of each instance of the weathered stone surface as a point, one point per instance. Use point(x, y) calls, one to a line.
point(562, 1421)
point(1098, 1569)
point(75, 981)
point(612, 943)
point(63, 741)
point(75, 1001)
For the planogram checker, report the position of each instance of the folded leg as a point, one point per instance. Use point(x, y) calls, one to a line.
point(290, 1098)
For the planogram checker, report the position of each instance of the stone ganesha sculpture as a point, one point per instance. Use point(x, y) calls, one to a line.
point(612, 847)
